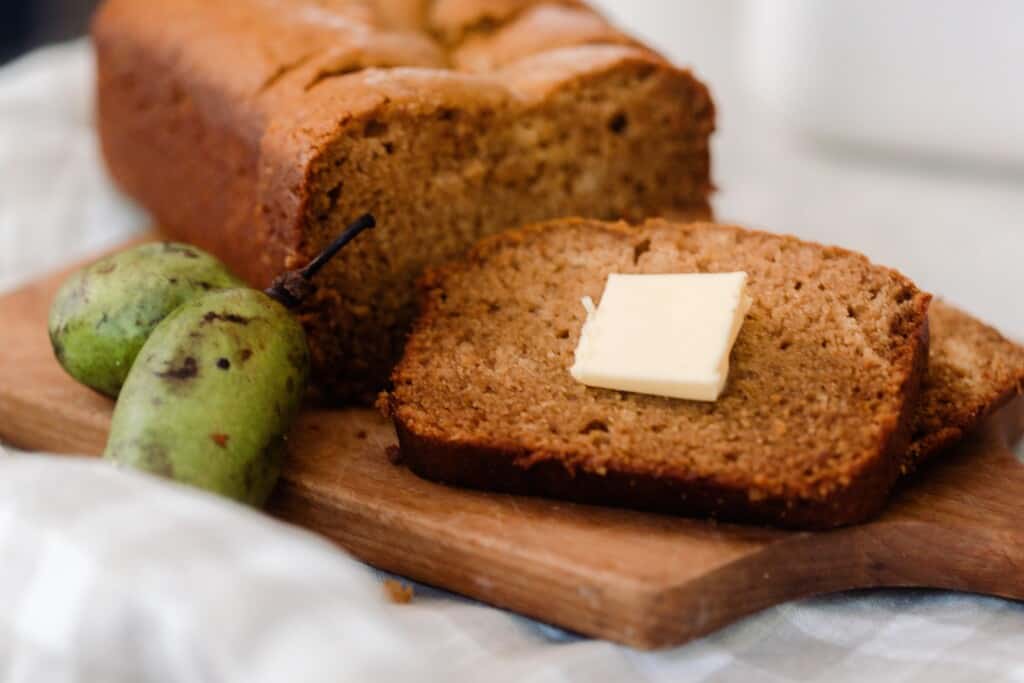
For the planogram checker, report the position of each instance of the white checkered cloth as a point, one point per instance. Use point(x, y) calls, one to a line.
point(112, 576)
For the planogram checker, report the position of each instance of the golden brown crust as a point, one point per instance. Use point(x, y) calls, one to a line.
point(538, 29)
point(453, 20)
point(236, 124)
point(450, 449)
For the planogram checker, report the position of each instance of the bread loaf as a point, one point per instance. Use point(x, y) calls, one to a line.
point(258, 129)
point(811, 430)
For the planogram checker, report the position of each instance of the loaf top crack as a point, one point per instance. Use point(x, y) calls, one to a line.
point(267, 50)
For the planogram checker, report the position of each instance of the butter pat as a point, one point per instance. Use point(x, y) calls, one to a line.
point(668, 335)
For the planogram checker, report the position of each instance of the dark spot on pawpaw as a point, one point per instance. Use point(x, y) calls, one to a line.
point(173, 280)
point(186, 371)
point(394, 454)
point(80, 293)
point(205, 286)
point(225, 317)
point(156, 401)
point(223, 363)
point(102, 321)
point(246, 354)
point(361, 434)
point(290, 383)
point(107, 269)
point(220, 439)
point(153, 458)
point(171, 248)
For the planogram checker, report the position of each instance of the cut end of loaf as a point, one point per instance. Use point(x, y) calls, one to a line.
point(629, 143)
point(809, 432)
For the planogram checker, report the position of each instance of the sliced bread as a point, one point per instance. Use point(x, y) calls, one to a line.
point(812, 428)
point(972, 371)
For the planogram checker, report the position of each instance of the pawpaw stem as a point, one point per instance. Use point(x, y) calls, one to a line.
point(292, 287)
point(364, 222)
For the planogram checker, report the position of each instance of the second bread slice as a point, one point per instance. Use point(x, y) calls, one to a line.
point(811, 430)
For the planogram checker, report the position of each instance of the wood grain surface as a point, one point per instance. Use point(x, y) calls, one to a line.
point(646, 580)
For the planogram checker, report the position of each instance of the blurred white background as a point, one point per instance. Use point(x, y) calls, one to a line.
point(893, 128)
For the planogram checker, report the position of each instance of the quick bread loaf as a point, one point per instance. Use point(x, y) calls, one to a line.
point(257, 129)
point(811, 431)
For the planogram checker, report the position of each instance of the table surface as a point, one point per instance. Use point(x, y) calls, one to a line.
point(956, 231)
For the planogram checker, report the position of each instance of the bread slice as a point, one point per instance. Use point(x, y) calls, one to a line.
point(811, 430)
point(259, 129)
point(972, 371)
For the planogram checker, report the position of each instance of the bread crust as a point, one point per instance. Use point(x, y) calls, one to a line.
point(507, 468)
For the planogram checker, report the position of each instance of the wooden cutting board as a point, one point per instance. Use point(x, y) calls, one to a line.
point(645, 580)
